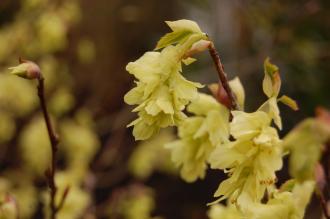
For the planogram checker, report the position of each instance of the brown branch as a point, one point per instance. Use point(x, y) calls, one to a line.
point(223, 77)
point(50, 173)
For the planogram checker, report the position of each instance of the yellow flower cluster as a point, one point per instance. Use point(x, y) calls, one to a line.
point(251, 160)
point(161, 92)
point(244, 145)
point(199, 135)
point(282, 205)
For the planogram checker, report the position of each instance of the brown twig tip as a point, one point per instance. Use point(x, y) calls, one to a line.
point(223, 77)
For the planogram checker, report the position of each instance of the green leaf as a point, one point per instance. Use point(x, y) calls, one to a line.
point(182, 30)
point(173, 38)
point(184, 24)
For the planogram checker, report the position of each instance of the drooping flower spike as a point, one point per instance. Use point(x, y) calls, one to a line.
point(250, 160)
point(199, 134)
point(161, 91)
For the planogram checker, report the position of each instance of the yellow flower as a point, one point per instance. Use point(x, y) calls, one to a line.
point(224, 212)
point(250, 161)
point(199, 135)
point(305, 144)
point(283, 205)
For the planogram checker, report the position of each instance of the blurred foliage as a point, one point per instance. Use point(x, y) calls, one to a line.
point(78, 199)
point(39, 30)
point(134, 202)
point(151, 155)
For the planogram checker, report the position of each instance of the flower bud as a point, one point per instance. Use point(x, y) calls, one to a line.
point(220, 94)
point(198, 47)
point(27, 70)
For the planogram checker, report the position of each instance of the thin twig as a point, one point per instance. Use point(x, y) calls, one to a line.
point(63, 198)
point(50, 173)
point(223, 76)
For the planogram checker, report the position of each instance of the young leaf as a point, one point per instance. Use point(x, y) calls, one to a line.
point(184, 24)
point(182, 30)
point(173, 38)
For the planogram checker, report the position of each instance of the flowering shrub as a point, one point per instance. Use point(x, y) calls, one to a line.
point(218, 133)
point(65, 166)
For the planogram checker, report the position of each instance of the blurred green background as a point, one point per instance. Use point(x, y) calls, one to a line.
point(83, 47)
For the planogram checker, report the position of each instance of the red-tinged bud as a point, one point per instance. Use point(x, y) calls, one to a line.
point(220, 94)
point(26, 69)
point(198, 47)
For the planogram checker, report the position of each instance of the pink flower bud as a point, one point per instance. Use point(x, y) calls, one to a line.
point(27, 70)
